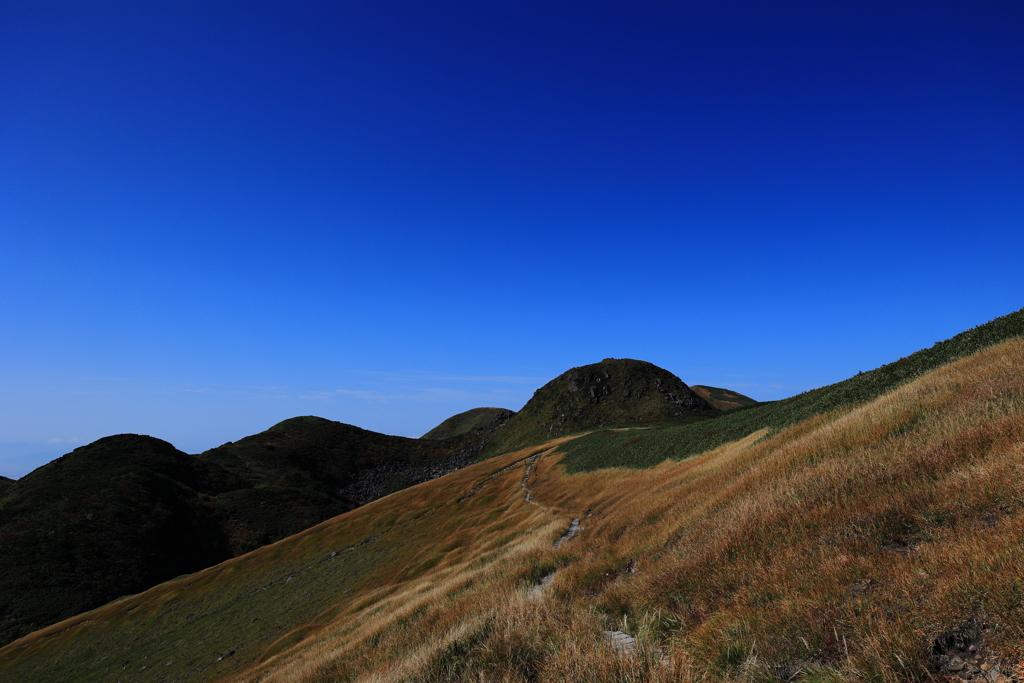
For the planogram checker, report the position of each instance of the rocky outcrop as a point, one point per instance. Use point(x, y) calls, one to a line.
point(614, 391)
point(386, 477)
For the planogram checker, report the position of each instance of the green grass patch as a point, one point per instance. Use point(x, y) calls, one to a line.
point(677, 440)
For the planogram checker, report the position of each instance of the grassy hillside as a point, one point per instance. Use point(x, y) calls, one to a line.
point(126, 512)
point(675, 441)
point(5, 483)
point(402, 550)
point(477, 419)
point(307, 469)
point(111, 518)
point(722, 399)
point(613, 392)
point(876, 541)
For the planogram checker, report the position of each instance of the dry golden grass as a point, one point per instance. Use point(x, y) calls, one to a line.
point(831, 551)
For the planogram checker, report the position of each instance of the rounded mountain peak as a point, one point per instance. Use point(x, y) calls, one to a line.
point(619, 389)
point(614, 391)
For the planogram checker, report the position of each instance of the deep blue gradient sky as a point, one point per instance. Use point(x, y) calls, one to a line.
point(213, 218)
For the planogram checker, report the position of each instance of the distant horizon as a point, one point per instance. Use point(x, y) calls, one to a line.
point(389, 213)
point(15, 457)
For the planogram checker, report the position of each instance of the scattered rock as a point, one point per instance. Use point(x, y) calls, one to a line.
point(623, 643)
point(536, 591)
point(375, 482)
point(963, 653)
point(573, 528)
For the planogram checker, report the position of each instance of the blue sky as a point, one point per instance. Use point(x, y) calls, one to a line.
point(217, 216)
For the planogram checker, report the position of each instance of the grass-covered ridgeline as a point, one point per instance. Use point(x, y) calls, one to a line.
point(475, 420)
point(878, 543)
point(609, 448)
point(723, 399)
point(129, 511)
point(375, 562)
point(615, 391)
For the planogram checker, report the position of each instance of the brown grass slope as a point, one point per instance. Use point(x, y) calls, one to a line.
point(110, 518)
point(129, 511)
point(613, 392)
point(865, 544)
point(384, 557)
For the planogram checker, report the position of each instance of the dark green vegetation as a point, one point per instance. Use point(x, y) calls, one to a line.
point(852, 542)
point(223, 619)
point(613, 392)
point(111, 518)
point(127, 512)
point(225, 622)
point(723, 399)
point(675, 441)
point(312, 466)
point(477, 419)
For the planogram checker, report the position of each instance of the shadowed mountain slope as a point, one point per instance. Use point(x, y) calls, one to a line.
point(126, 512)
point(108, 519)
point(5, 483)
point(613, 392)
point(876, 541)
point(476, 419)
point(723, 399)
point(884, 462)
point(306, 469)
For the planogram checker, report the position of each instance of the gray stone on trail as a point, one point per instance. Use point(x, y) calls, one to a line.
point(536, 591)
point(573, 528)
point(623, 643)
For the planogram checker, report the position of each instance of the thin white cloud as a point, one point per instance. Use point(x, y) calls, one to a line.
point(316, 396)
point(112, 379)
point(429, 395)
point(409, 395)
point(187, 388)
point(417, 376)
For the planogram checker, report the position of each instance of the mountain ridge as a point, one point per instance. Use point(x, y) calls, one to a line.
point(612, 391)
point(470, 420)
point(85, 528)
point(723, 399)
point(877, 539)
point(266, 468)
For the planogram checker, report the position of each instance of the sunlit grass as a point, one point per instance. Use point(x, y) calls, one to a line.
point(828, 551)
point(685, 437)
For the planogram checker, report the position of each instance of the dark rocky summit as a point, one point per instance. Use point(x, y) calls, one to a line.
point(614, 391)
